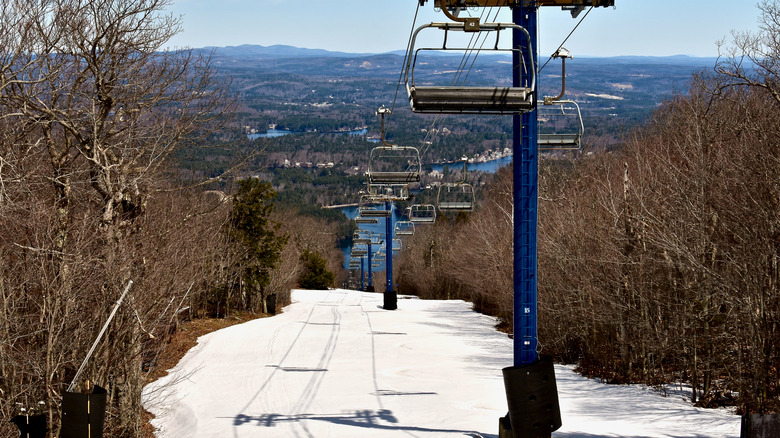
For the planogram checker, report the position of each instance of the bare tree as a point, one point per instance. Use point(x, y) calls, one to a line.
point(97, 106)
point(753, 58)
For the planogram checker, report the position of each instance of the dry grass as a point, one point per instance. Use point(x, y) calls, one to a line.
point(181, 342)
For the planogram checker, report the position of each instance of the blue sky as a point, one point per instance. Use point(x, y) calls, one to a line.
point(633, 27)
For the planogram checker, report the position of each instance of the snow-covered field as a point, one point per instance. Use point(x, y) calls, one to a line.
point(334, 364)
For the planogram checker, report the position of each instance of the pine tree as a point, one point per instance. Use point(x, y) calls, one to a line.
point(257, 237)
point(315, 274)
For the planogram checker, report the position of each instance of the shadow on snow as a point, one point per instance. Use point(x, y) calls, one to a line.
point(368, 418)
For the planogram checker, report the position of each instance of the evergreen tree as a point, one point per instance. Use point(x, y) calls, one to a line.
point(257, 237)
point(315, 274)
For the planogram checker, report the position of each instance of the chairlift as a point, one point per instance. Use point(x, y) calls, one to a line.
point(560, 121)
point(370, 208)
point(422, 213)
point(394, 165)
point(365, 220)
point(465, 99)
point(560, 126)
point(404, 228)
point(388, 192)
point(397, 244)
point(456, 198)
point(362, 234)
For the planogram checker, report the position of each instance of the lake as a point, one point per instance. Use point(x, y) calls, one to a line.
point(487, 166)
point(273, 133)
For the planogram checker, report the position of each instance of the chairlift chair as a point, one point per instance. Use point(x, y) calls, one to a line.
point(388, 192)
point(397, 244)
point(394, 165)
point(365, 220)
point(455, 198)
point(362, 234)
point(370, 208)
point(404, 228)
point(560, 126)
point(422, 213)
point(464, 99)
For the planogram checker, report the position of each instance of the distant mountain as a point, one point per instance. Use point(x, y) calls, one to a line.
point(284, 51)
point(666, 60)
point(276, 51)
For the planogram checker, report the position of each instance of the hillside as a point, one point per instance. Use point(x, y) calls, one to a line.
point(313, 97)
point(314, 90)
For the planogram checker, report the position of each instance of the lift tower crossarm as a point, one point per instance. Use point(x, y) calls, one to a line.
point(451, 4)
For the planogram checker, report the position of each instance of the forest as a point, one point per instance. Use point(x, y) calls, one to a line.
point(92, 207)
point(126, 168)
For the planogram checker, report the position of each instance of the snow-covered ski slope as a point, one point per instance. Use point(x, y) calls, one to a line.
point(334, 364)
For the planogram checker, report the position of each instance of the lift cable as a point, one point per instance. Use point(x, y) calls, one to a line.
point(438, 117)
point(467, 59)
point(475, 50)
point(460, 71)
point(406, 54)
point(566, 39)
point(472, 50)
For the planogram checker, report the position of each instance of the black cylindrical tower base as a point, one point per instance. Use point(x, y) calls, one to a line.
point(391, 300)
point(760, 426)
point(532, 397)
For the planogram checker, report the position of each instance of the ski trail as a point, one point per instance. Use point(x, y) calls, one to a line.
point(274, 372)
point(334, 364)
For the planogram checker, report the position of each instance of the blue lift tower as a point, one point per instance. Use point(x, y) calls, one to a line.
point(532, 396)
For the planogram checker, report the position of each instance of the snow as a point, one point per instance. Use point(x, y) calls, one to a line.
point(334, 364)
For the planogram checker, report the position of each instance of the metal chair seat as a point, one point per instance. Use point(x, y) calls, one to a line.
point(559, 141)
point(470, 100)
point(456, 206)
point(375, 213)
point(393, 177)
